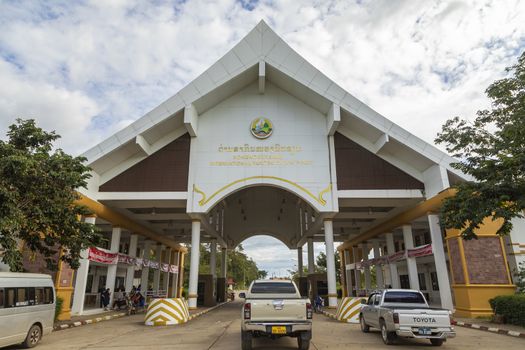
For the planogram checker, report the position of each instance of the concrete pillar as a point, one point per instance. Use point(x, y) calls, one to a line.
point(368, 279)
point(348, 274)
point(175, 276)
point(411, 262)
point(213, 264)
point(194, 263)
point(357, 272)
point(224, 262)
point(300, 261)
point(144, 278)
point(167, 275)
point(379, 268)
point(112, 269)
point(130, 274)
point(156, 273)
point(330, 263)
point(311, 262)
point(394, 276)
point(79, 293)
point(445, 293)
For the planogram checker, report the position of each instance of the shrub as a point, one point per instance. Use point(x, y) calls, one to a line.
point(58, 307)
point(511, 307)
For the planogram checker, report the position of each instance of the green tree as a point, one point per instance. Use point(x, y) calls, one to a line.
point(37, 198)
point(491, 149)
point(321, 264)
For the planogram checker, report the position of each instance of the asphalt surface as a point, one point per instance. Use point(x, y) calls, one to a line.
point(220, 329)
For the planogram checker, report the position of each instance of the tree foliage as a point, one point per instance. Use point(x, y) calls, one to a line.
point(491, 149)
point(37, 198)
point(321, 263)
point(240, 267)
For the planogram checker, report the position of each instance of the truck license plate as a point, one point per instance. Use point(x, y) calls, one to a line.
point(425, 331)
point(278, 329)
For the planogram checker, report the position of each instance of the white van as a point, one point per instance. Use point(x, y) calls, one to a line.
point(27, 308)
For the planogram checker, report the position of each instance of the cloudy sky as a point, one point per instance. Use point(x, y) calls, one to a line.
point(88, 68)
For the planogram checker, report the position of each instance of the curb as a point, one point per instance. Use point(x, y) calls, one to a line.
point(207, 310)
point(88, 321)
point(329, 314)
point(491, 329)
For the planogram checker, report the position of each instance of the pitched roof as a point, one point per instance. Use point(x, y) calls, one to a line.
point(293, 73)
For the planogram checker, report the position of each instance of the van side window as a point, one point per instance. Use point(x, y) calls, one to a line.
point(1, 298)
point(39, 296)
point(48, 295)
point(31, 295)
point(10, 299)
point(21, 297)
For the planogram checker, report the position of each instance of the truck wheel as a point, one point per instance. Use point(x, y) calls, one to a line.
point(246, 340)
point(388, 337)
point(436, 342)
point(364, 327)
point(303, 341)
point(33, 336)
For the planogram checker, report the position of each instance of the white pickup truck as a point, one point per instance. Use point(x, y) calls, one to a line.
point(275, 308)
point(405, 313)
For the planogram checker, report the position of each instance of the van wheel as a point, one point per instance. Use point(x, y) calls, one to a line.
point(33, 336)
point(436, 342)
point(364, 327)
point(388, 337)
point(246, 340)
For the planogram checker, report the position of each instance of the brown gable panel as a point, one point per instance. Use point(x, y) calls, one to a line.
point(164, 170)
point(360, 169)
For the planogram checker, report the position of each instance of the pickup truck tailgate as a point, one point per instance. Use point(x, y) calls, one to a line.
point(424, 318)
point(278, 309)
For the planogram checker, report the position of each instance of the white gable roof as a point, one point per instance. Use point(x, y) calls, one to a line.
point(294, 74)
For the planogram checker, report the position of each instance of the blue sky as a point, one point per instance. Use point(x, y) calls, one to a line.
point(88, 68)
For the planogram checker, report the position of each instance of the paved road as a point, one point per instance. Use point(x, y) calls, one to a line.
point(220, 329)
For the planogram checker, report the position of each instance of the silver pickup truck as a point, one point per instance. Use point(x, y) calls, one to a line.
point(275, 308)
point(405, 313)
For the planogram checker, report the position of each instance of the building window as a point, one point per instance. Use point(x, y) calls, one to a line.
point(427, 238)
point(404, 282)
point(434, 280)
point(422, 282)
point(418, 241)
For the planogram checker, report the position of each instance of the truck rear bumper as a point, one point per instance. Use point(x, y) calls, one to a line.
point(265, 327)
point(440, 335)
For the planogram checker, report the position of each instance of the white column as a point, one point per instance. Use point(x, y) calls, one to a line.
point(411, 262)
point(224, 263)
point(311, 262)
point(348, 274)
point(130, 274)
point(379, 268)
point(394, 277)
point(79, 294)
point(368, 279)
point(156, 273)
point(439, 257)
point(357, 272)
point(213, 265)
point(166, 280)
point(330, 263)
point(175, 276)
point(144, 278)
point(112, 269)
point(300, 261)
point(194, 263)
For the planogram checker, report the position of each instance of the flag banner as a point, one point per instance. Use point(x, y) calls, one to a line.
point(145, 262)
point(126, 259)
point(154, 264)
point(396, 256)
point(139, 262)
point(165, 267)
point(100, 256)
point(423, 250)
point(174, 269)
